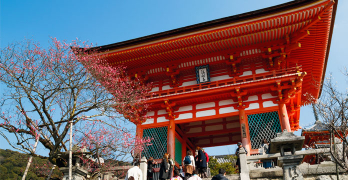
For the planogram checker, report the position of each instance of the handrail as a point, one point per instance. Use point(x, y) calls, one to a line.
point(231, 81)
point(305, 152)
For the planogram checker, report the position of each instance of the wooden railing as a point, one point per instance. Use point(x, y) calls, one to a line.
point(222, 83)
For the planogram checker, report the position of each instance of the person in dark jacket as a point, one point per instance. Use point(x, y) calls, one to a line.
point(202, 163)
point(220, 176)
point(150, 165)
point(196, 160)
point(207, 159)
point(164, 168)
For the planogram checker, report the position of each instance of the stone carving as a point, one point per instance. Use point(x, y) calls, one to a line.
point(294, 172)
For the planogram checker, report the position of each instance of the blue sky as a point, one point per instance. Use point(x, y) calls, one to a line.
point(110, 21)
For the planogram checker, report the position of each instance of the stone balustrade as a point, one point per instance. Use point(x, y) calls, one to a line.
point(252, 171)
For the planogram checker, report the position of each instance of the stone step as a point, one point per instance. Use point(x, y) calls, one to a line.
point(232, 176)
point(229, 177)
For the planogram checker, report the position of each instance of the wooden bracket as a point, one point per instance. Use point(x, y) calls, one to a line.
point(142, 77)
point(239, 94)
point(169, 108)
point(234, 62)
point(288, 90)
point(173, 74)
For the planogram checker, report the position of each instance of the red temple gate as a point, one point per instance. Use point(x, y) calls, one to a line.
point(239, 78)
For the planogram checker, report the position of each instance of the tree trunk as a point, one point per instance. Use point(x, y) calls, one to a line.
point(70, 153)
point(30, 158)
point(49, 176)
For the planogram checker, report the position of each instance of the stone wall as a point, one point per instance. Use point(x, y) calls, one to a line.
point(311, 177)
point(308, 171)
point(317, 177)
point(323, 171)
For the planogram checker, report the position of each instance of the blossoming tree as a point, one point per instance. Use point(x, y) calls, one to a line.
point(45, 89)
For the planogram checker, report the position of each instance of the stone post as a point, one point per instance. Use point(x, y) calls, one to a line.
point(108, 176)
point(143, 167)
point(244, 173)
point(291, 167)
point(78, 173)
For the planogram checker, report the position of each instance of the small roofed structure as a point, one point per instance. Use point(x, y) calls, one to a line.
point(317, 136)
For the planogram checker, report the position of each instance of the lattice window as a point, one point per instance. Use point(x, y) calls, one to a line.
point(263, 126)
point(178, 151)
point(159, 142)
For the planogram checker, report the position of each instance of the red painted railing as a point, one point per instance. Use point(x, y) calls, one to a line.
point(231, 81)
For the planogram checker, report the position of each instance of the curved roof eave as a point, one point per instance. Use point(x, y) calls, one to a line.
point(225, 21)
point(206, 25)
point(328, 46)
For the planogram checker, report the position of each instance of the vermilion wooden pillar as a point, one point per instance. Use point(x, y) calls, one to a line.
point(171, 139)
point(284, 117)
point(139, 131)
point(139, 135)
point(244, 128)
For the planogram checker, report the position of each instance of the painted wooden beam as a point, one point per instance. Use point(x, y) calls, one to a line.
point(207, 133)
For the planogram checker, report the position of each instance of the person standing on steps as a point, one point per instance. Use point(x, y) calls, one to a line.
point(207, 158)
point(189, 164)
point(196, 160)
point(171, 166)
point(164, 168)
point(150, 165)
point(135, 171)
point(202, 163)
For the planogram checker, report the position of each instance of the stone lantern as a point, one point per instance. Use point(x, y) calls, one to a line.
point(288, 142)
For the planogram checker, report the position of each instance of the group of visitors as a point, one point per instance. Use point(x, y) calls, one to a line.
point(135, 173)
point(199, 162)
point(192, 168)
point(195, 176)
